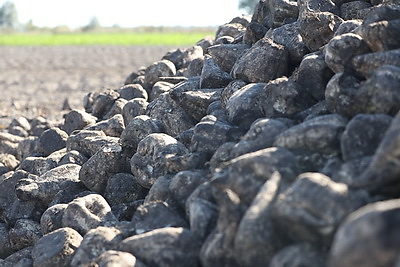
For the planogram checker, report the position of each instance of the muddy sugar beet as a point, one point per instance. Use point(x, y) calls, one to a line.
point(274, 143)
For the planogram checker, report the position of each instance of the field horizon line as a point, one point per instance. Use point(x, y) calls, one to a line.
point(178, 38)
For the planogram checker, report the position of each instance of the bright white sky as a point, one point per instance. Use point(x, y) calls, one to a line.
point(127, 13)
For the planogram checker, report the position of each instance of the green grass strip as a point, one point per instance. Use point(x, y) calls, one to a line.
point(145, 38)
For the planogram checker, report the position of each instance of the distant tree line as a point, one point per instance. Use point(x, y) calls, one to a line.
point(9, 21)
point(9, 16)
point(94, 24)
point(248, 5)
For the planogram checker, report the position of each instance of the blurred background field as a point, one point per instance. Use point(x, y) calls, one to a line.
point(39, 80)
point(55, 52)
point(178, 38)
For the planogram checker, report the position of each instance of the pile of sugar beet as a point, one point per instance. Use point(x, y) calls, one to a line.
point(274, 143)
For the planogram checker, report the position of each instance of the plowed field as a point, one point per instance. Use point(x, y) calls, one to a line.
point(37, 80)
